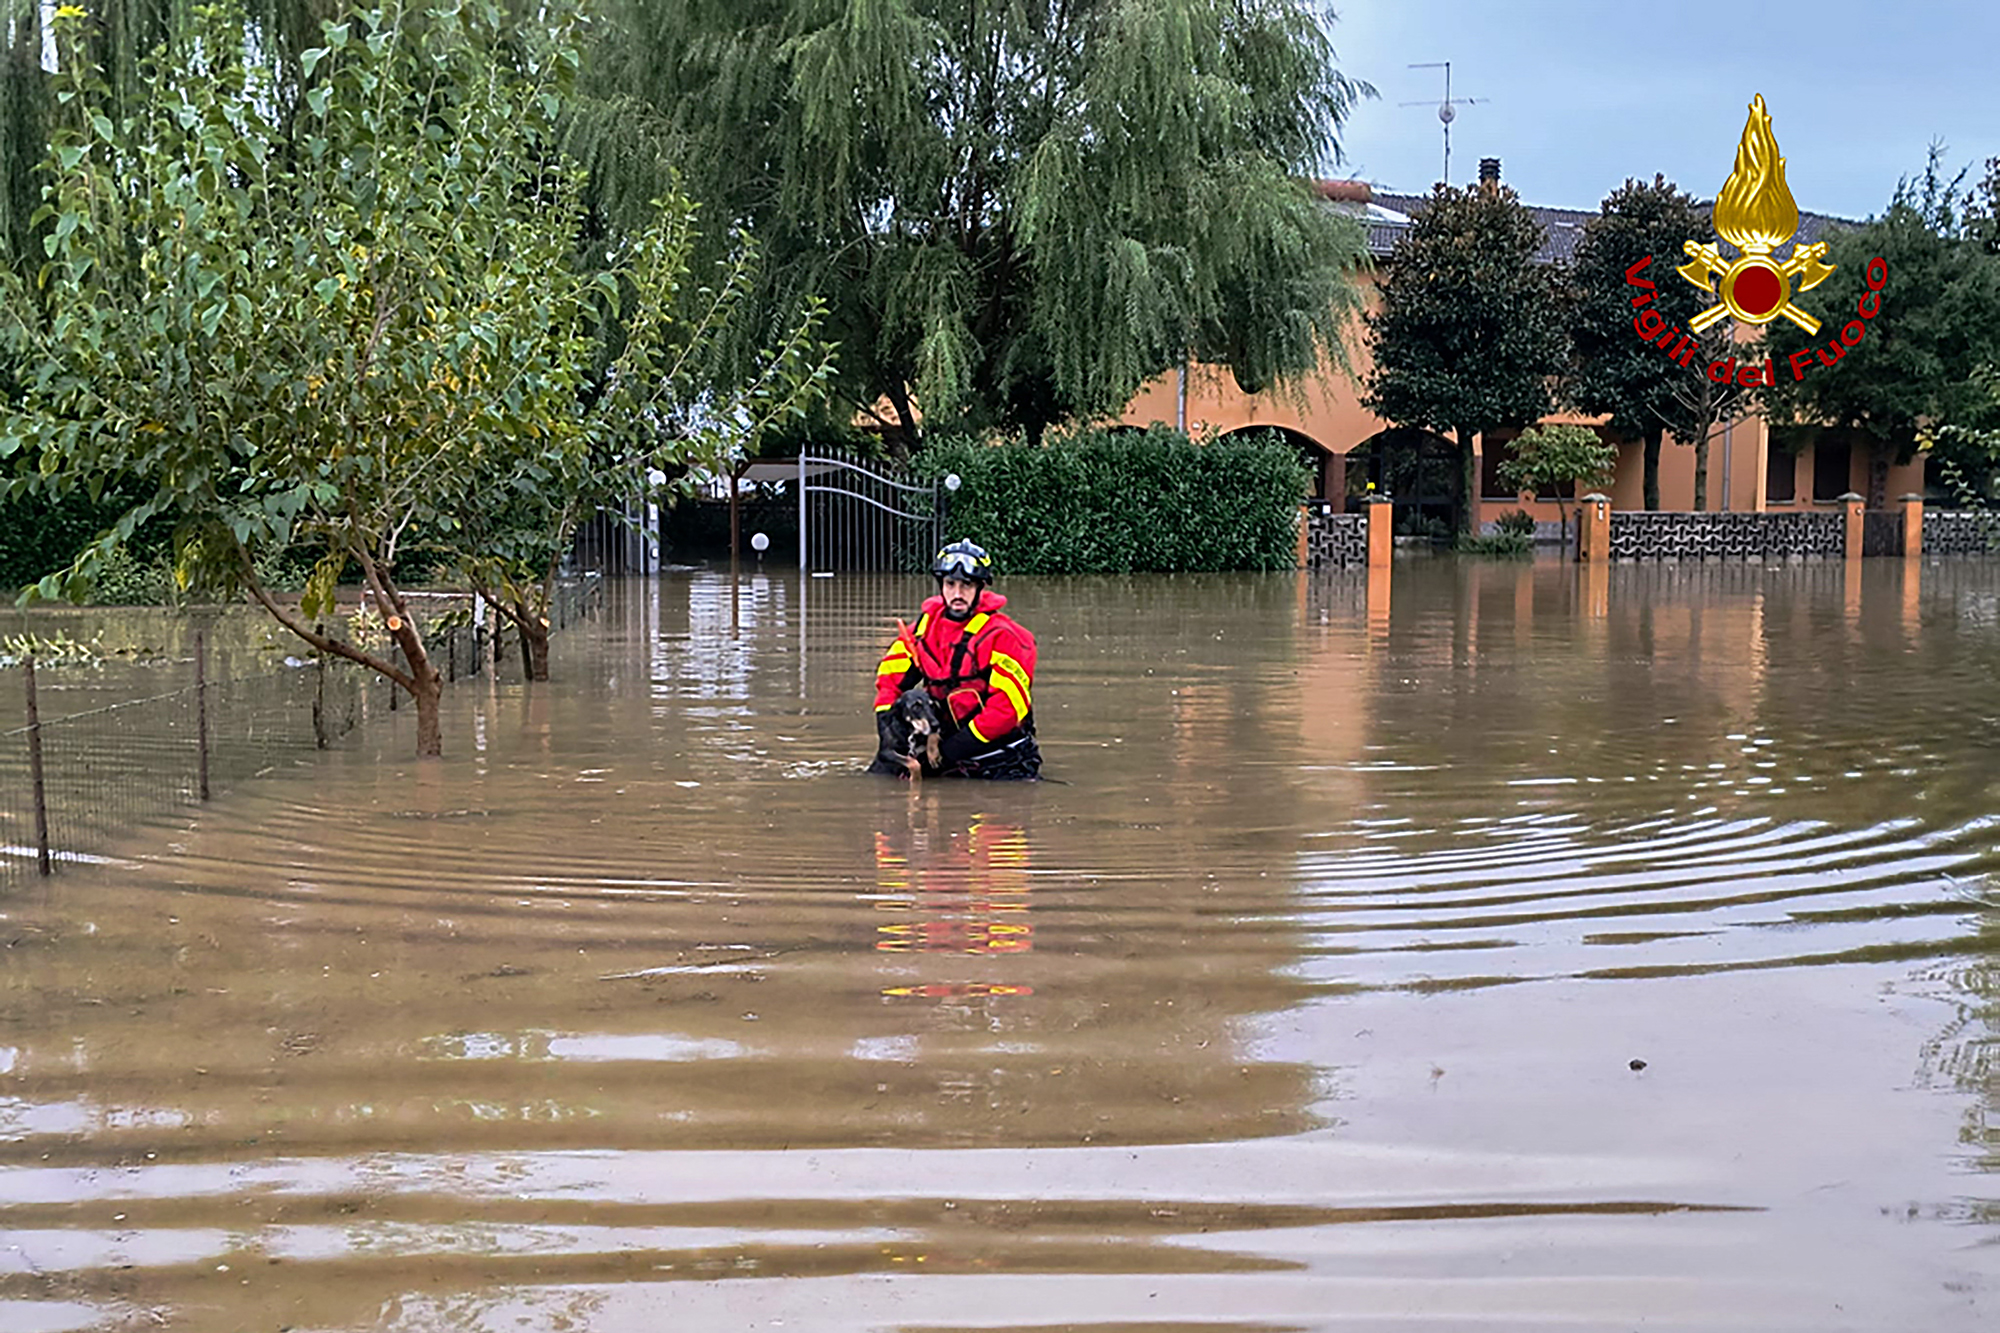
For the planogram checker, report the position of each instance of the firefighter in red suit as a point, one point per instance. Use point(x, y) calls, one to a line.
point(980, 667)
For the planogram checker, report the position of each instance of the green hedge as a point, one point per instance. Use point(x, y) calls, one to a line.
point(39, 536)
point(1123, 501)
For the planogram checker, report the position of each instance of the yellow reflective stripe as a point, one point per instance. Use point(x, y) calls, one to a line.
point(893, 667)
point(883, 708)
point(1011, 667)
point(978, 735)
point(1015, 696)
point(923, 623)
point(977, 623)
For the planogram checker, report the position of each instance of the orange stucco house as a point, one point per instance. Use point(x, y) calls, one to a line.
point(1351, 447)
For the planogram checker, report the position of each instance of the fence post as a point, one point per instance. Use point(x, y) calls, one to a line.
point(41, 797)
point(319, 692)
point(1913, 526)
point(201, 708)
point(1593, 530)
point(1381, 530)
point(1853, 505)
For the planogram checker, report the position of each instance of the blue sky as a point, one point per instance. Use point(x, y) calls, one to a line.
point(1584, 95)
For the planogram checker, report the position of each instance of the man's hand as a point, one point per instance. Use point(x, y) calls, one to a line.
point(916, 770)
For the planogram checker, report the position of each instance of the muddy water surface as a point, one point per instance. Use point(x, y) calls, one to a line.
point(1529, 951)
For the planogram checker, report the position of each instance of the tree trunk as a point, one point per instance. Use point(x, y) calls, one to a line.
point(898, 395)
point(417, 675)
point(1653, 438)
point(1467, 488)
point(534, 642)
point(426, 689)
point(1701, 471)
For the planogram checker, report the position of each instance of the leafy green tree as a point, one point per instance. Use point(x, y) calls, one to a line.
point(332, 330)
point(1549, 458)
point(1982, 213)
point(509, 539)
point(1914, 361)
point(1018, 213)
point(1968, 457)
point(1612, 372)
point(1470, 334)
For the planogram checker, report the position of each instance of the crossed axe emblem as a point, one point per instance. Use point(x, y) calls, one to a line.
point(1705, 266)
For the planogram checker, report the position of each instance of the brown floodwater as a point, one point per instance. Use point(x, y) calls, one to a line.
point(1533, 949)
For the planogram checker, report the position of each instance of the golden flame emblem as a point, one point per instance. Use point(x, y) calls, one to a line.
point(1755, 212)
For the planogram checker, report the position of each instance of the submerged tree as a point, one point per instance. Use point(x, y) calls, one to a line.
point(1469, 336)
point(665, 406)
point(333, 332)
point(1017, 213)
point(1552, 458)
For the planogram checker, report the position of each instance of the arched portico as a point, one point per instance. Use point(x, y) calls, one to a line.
point(1329, 469)
point(1415, 468)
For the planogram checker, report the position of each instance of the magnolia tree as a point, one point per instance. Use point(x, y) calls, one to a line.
point(337, 316)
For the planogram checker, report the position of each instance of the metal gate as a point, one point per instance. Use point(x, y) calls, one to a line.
point(859, 513)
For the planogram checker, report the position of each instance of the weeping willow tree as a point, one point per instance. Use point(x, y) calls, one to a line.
point(116, 37)
point(1017, 213)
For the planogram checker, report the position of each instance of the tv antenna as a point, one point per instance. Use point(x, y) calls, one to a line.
point(1447, 109)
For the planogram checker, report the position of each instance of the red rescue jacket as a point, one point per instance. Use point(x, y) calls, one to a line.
point(982, 669)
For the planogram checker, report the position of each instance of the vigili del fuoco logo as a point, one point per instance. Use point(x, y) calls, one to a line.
point(1755, 213)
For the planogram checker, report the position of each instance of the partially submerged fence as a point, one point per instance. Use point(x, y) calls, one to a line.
point(1335, 540)
point(70, 784)
point(1961, 532)
point(1728, 536)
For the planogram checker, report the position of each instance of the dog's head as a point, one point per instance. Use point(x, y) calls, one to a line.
point(913, 719)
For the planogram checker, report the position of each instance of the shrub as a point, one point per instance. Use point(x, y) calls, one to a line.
point(1126, 501)
point(1500, 543)
point(123, 579)
point(1518, 523)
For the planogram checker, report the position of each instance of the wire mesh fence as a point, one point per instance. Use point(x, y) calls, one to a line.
point(70, 784)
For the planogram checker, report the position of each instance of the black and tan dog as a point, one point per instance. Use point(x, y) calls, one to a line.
point(916, 726)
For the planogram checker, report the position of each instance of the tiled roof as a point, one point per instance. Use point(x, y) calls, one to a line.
point(1562, 228)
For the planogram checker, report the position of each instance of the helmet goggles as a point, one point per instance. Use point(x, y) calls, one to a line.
point(963, 560)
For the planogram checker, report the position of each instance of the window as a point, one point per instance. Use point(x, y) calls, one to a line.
point(1831, 470)
point(1781, 472)
point(1494, 452)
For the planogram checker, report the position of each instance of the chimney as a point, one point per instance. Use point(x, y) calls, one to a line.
point(1489, 175)
point(1344, 192)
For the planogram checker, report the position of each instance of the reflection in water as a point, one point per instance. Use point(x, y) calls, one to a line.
point(967, 892)
point(1537, 945)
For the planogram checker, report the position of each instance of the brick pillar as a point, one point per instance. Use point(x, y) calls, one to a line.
point(1852, 505)
point(1378, 601)
point(1593, 537)
point(1381, 531)
point(1913, 526)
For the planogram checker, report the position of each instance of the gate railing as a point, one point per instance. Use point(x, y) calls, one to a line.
point(863, 514)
